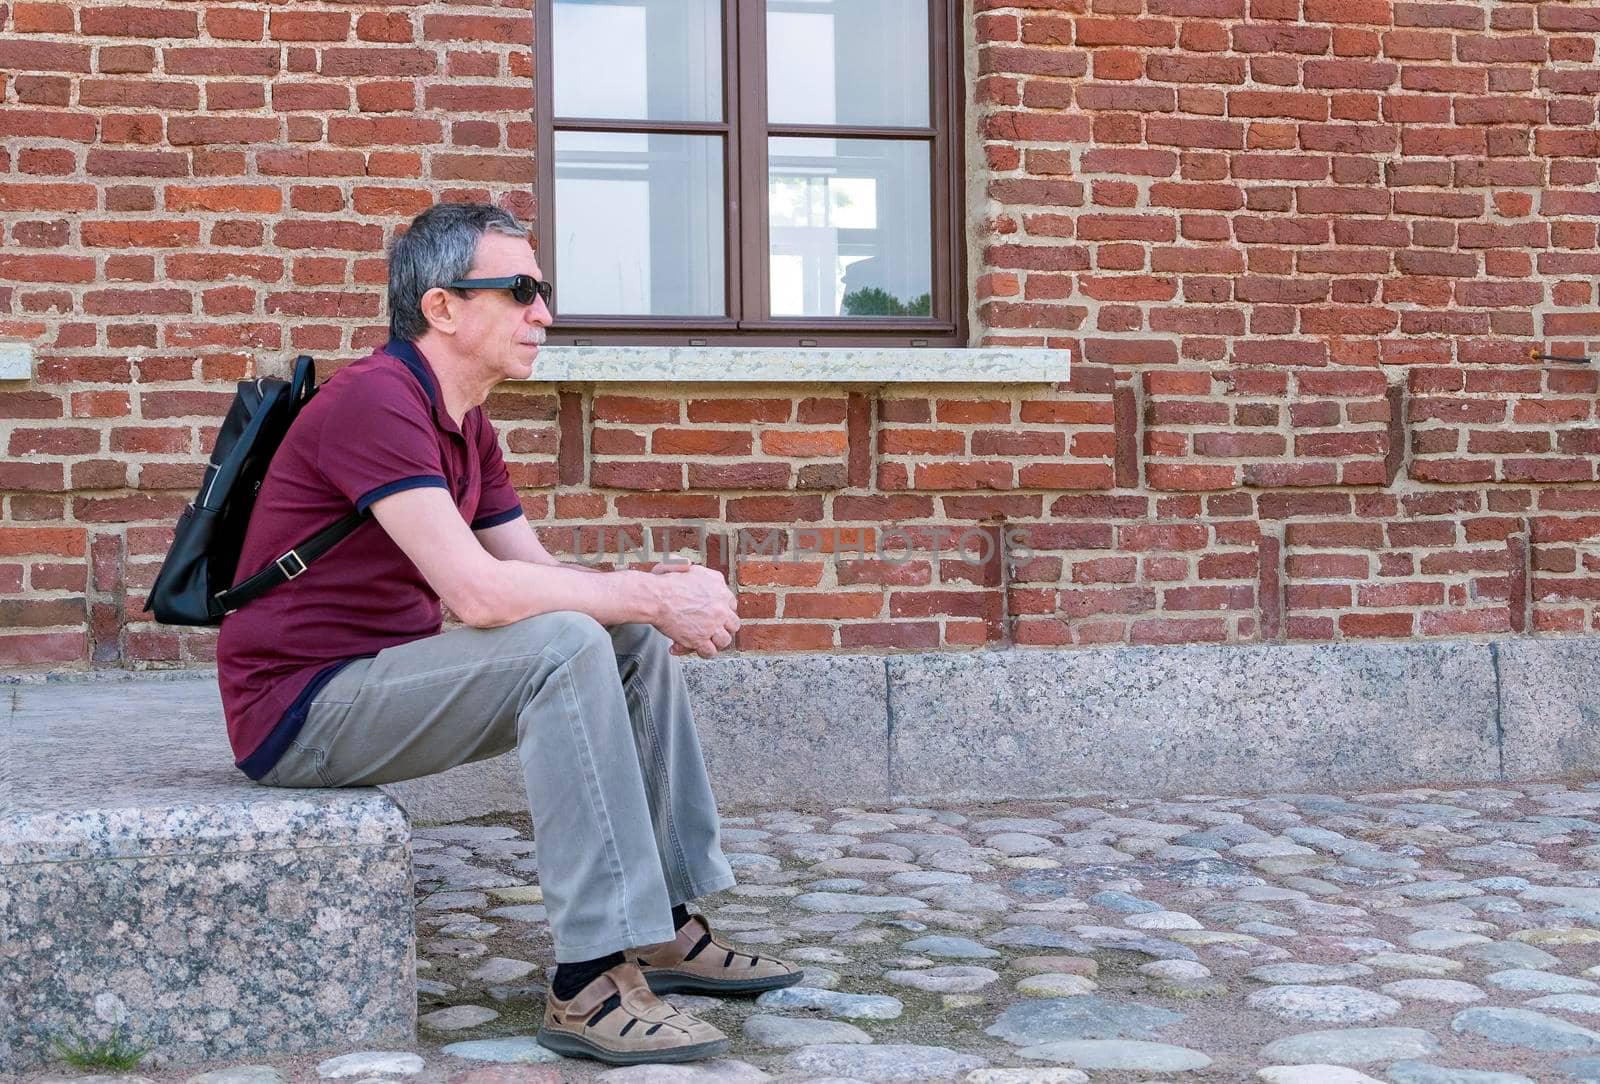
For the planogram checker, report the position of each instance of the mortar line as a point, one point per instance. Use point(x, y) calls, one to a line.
point(1007, 633)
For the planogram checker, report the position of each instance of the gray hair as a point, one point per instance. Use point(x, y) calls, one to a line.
point(437, 248)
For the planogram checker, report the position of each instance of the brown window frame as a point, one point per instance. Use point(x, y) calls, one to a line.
point(744, 125)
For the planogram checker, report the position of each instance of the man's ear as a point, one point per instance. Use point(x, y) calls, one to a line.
point(436, 309)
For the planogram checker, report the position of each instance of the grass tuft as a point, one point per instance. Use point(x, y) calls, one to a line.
point(113, 1053)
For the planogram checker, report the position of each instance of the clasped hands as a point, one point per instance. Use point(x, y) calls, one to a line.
point(699, 612)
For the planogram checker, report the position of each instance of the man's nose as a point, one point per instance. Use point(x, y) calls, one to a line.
point(539, 313)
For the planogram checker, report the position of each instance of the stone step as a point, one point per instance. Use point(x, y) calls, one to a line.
point(1036, 722)
point(1040, 722)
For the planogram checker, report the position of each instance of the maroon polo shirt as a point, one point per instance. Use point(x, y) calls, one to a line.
point(376, 427)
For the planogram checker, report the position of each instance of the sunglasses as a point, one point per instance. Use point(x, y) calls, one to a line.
point(524, 288)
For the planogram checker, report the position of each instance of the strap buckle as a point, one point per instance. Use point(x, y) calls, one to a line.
point(285, 570)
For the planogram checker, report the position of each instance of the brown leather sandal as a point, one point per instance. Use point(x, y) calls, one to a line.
point(617, 1019)
point(698, 962)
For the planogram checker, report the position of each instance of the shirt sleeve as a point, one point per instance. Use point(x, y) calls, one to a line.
point(498, 503)
point(378, 444)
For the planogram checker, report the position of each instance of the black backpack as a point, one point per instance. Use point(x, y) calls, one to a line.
point(193, 586)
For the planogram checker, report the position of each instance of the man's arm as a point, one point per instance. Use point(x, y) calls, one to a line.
point(486, 591)
point(516, 540)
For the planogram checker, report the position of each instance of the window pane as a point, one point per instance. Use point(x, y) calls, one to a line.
point(638, 59)
point(851, 227)
point(638, 222)
point(847, 62)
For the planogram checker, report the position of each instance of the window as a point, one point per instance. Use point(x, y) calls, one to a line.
point(764, 172)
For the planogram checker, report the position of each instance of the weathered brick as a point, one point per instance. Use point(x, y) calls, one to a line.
point(1243, 217)
point(138, 22)
point(308, 25)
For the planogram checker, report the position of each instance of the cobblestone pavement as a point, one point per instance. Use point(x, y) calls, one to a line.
point(1423, 936)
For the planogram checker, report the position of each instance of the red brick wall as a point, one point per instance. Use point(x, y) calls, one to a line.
point(1303, 249)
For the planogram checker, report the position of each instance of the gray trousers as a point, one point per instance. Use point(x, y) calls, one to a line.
point(624, 821)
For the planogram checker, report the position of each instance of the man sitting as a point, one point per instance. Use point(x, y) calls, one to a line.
point(341, 677)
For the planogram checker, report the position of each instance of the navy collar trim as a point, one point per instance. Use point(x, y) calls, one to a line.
point(408, 353)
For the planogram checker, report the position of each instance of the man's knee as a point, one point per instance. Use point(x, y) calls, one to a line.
point(566, 631)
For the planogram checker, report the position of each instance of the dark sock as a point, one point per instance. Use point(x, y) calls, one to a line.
point(572, 977)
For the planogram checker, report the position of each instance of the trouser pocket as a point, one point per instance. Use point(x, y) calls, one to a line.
point(300, 765)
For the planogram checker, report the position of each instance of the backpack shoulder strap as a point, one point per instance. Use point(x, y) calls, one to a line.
point(292, 563)
point(304, 381)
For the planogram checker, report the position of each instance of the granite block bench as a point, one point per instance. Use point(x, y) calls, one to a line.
point(146, 883)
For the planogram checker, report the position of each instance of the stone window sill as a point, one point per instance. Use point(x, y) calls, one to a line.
point(798, 365)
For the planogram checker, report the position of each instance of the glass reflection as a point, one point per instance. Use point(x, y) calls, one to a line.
point(639, 224)
point(638, 59)
point(850, 227)
point(847, 62)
